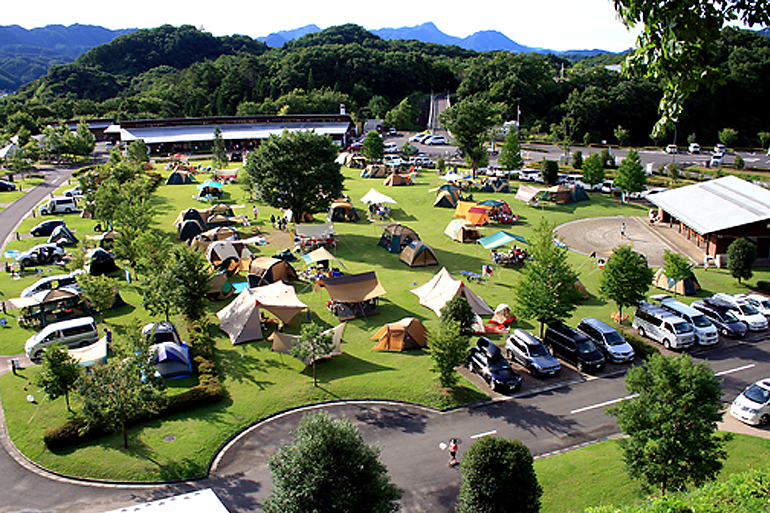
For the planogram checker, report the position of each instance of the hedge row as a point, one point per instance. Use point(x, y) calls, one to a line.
point(642, 349)
point(209, 390)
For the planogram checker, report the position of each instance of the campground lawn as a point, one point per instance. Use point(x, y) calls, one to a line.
point(260, 382)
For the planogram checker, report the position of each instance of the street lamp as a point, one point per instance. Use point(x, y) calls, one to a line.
point(518, 118)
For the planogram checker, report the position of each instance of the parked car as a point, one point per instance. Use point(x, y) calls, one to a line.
point(752, 406)
point(528, 175)
point(693, 148)
point(745, 313)
point(421, 160)
point(163, 331)
point(72, 333)
point(607, 339)
point(705, 332)
point(761, 303)
point(391, 147)
point(573, 346)
point(41, 254)
point(393, 132)
point(6, 186)
point(58, 205)
point(527, 350)
point(53, 282)
point(356, 145)
point(419, 138)
point(75, 191)
point(724, 320)
point(720, 149)
point(487, 361)
point(662, 326)
point(671, 148)
point(46, 228)
point(717, 160)
point(435, 140)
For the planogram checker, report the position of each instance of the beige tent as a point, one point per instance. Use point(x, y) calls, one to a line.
point(266, 270)
point(443, 287)
point(527, 193)
point(395, 179)
point(283, 342)
point(241, 318)
point(408, 333)
point(202, 240)
point(320, 255)
point(354, 295)
point(462, 230)
point(220, 251)
point(418, 254)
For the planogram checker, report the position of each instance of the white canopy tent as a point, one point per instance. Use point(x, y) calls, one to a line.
point(374, 196)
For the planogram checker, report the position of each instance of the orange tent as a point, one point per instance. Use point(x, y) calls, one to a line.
point(408, 333)
point(478, 215)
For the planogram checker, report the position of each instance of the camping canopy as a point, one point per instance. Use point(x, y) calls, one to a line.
point(686, 287)
point(354, 288)
point(315, 231)
point(210, 184)
point(408, 333)
point(526, 193)
point(418, 254)
point(443, 287)
point(320, 255)
point(462, 230)
point(396, 237)
point(373, 196)
point(500, 239)
point(283, 343)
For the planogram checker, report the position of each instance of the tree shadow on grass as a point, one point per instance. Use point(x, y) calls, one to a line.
point(344, 366)
point(242, 367)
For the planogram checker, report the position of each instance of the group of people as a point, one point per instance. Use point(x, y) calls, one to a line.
point(279, 223)
point(514, 256)
point(377, 211)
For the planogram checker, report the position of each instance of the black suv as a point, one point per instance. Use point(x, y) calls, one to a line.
point(487, 361)
point(573, 346)
point(725, 321)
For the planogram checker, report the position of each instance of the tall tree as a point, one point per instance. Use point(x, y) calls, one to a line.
point(546, 288)
point(59, 374)
point(329, 467)
point(459, 310)
point(138, 152)
point(219, 154)
point(514, 488)
point(159, 293)
point(468, 121)
point(626, 277)
point(671, 423)
point(510, 153)
point(373, 147)
point(728, 136)
point(741, 255)
point(549, 171)
point(593, 171)
point(622, 135)
point(99, 291)
point(296, 171)
point(190, 275)
point(676, 266)
point(312, 344)
point(631, 176)
point(448, 349)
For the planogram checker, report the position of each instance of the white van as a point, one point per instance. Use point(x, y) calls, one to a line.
point(705, 331)
point(72, 333)
point(745, 313)
point(663, 326)
point(58, 205)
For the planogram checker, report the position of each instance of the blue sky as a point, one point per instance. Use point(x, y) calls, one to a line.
point(554, 24)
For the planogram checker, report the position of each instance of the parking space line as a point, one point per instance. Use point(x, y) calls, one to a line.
point(479, 435)
point(606, 403)
point(736, 369)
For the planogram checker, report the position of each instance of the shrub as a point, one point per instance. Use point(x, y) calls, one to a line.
point(764, 286)
point(642, 349)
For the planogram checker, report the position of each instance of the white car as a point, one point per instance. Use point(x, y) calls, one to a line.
point(761, 303)
point(694, 148)
point(75, 191)
point(435, 140)
point(720, 149)
point(753, 405)
point(671, 148)
point(391, 147)
point(419, 137)
point(745, 313)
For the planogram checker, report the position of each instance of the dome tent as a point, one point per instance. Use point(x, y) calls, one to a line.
point(418, 254)
point(99, 261)
point(396, 237)
point(408, 333)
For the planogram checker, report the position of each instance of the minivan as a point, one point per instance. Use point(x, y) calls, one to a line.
point(745, 313)
point(663, 326)
point(705, 331)
point(725, 321)
point(573, 346)
point(73, 333)
point(58, 205)
point(607, 339)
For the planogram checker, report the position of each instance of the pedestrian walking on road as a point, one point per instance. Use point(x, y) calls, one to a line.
point(453, 452)
point(623, 231)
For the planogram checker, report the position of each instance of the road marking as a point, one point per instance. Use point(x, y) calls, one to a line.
point(606, 403)
point(494, 431)
point(737, 369)
point(56, 179)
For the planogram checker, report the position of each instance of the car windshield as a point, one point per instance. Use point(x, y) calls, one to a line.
point(747, 309)
point(730, 317)
point(504, 373)
point(700, 321)
point(614, 338)
point(757, 394)
point(682, 327)
point(585, 346)
point(538, 350)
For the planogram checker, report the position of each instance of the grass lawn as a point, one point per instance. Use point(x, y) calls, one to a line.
point(260, 382)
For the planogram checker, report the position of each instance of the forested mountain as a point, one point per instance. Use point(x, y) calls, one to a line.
point(182, 72)
point(27, 54)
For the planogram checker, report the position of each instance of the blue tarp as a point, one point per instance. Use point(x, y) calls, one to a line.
point(500, 239)
point(209, 183)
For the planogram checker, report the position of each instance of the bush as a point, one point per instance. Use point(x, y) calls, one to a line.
point(764, 286)
point(577, 159)
point(739, 162)
point(642, 349)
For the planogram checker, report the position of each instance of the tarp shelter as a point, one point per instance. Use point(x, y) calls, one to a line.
point(495, 184)
point(498, 239)
point(442, 287)
point(396, 237)
point(179, 177)
point(686, 287)
point(202, 240)
point(355, 295)
point(99, 261)
point(220, 287)
point(342, 210)
point(451, 177)
point(171, 360)
point(418, 254)
point(396, 179)
point(227, 174)
point(62, 236)
point(462, 230)
point(320, 255)
point(241, 318)
point(283, 343)
point(266, 270)
point(446, 199)
point(210, 184)
point(49, 306)
point(88, 356)
point(232, 256)
point(373, 196)
point(527, 193)
point(189, 229)
point(408, 333)
point(375, 171)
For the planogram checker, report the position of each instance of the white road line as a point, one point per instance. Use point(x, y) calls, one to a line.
point(55, 180)
point(484, 434)
point(606, 403)
point(737, 369)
